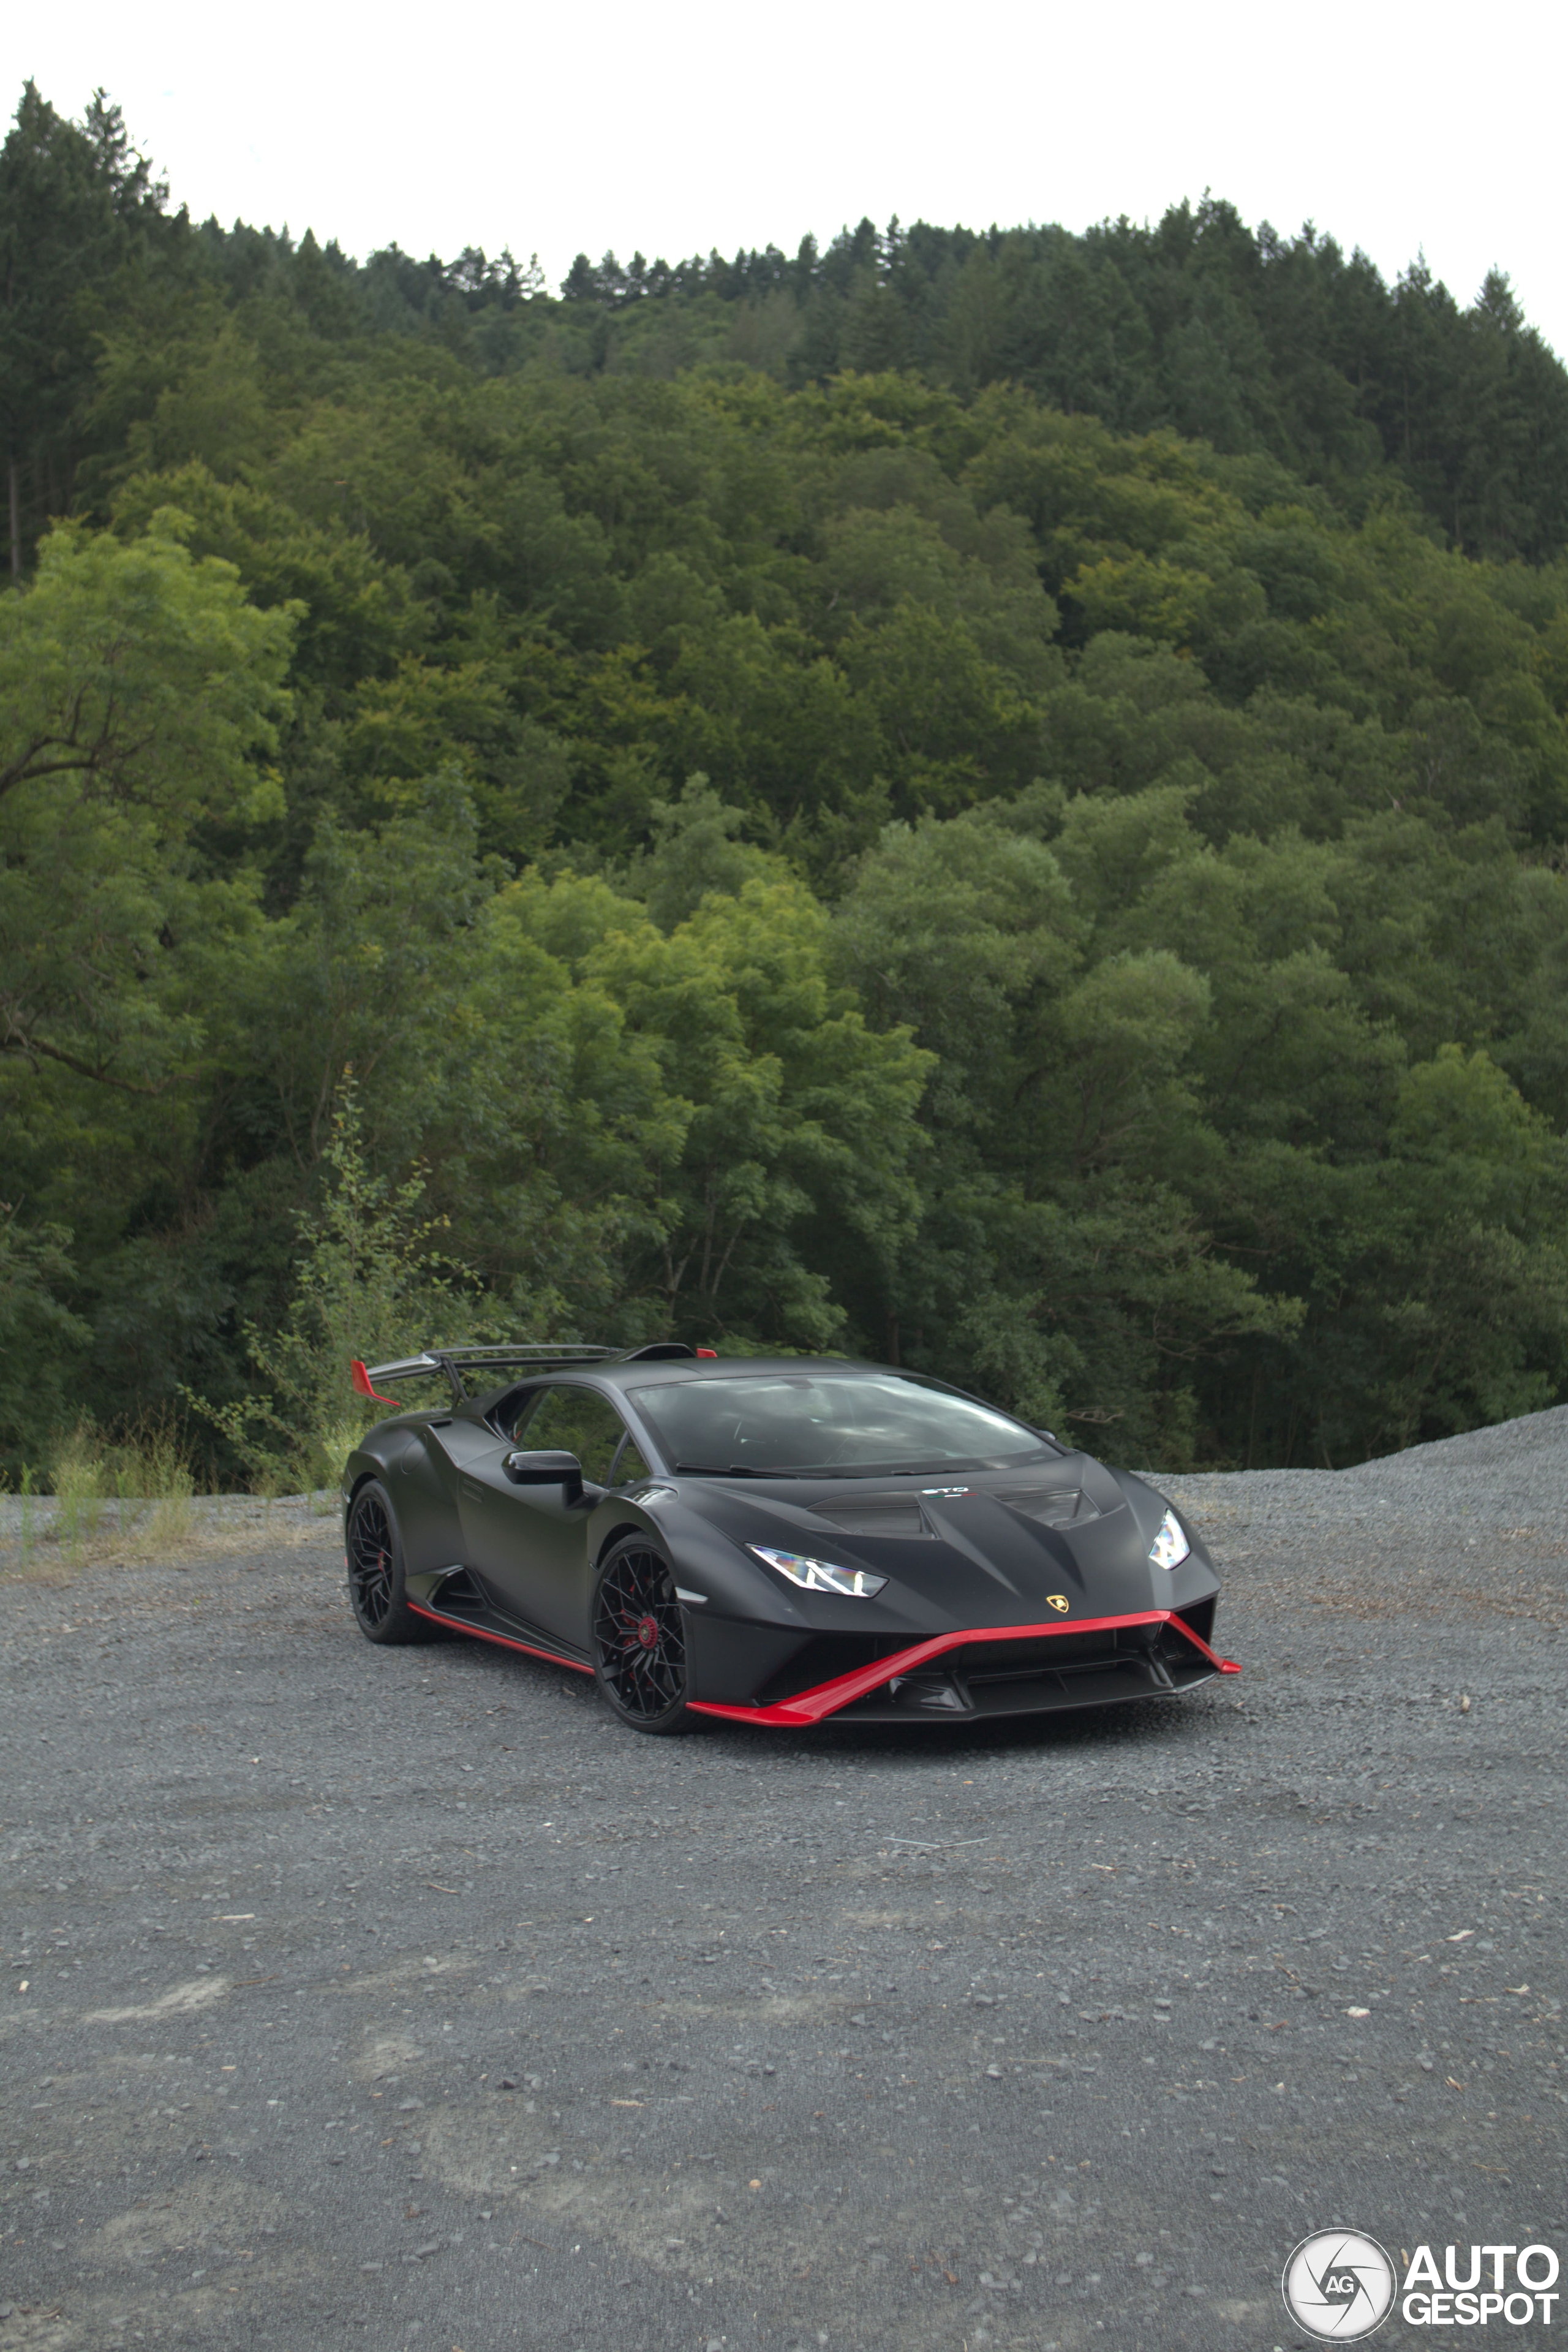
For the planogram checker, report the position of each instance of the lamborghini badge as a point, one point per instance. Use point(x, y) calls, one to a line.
point(1058, 1600)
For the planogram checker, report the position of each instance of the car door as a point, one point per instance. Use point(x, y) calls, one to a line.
point(528, 1545)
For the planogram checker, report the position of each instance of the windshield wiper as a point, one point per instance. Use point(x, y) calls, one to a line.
point(725, 1470)
point(740, 1470)
point(798, 1470)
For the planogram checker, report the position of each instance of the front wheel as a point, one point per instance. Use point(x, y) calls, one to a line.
point(638, 1638)
point(375, 1570)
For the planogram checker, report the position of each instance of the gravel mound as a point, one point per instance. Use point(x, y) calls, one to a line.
point(1512, 1475)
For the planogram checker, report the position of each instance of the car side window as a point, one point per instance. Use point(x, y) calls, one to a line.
point(629, 1465)
point(512, 1415)
point(576, 1420)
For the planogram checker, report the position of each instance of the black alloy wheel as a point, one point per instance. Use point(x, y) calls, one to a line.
point(640, 1639)
point(375, 1570)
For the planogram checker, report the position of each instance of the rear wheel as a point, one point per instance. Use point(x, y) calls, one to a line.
point(375, 1570)
point(638, 1638)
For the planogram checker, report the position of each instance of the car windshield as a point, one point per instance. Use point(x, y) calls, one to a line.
point(841, 1423)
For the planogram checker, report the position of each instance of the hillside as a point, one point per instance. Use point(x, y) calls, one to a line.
point(1055, 878)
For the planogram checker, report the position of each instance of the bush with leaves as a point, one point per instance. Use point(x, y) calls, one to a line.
point(372, 1281)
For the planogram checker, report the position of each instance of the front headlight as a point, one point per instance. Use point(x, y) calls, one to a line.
point(1170, 1547)
point(819, 1575)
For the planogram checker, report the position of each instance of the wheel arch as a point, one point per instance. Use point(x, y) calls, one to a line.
point(359, 1470)
point(376, 1588)
point(640, 1660)
point(618, 1534)
point(362, 1479)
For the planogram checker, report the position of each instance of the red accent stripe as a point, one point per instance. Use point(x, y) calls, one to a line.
point(810, 1706)
point(502, 1640)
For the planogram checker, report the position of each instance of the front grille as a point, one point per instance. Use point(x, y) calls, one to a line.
point(1086, 1685)
point(823, 1658)
point(1033, 1676)
point(985, 1661)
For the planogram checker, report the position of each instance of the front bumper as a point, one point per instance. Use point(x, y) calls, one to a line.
point(1004, 1670)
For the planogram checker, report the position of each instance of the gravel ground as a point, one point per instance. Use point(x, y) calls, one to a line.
point(354, 1997)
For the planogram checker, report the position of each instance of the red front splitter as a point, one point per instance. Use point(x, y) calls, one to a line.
point(812, 1705)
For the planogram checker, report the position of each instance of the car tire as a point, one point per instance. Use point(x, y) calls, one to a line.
point(639, 1638)
point(373, 1550)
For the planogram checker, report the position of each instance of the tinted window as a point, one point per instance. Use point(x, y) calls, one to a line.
point(631, 1466)
point(510, 1417)
point(846, 1422)
point(574, 1421)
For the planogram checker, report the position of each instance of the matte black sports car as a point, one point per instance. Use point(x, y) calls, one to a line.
point(775, 1540)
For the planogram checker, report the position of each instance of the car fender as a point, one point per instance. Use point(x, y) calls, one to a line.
point(398, 1453)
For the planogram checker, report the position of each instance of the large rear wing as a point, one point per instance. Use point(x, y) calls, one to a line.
point(455, 1362)
point(522, 1355)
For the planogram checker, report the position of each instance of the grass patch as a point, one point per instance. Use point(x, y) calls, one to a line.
point(136, 1484)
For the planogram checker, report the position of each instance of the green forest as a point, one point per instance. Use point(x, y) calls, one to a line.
point(995, 801)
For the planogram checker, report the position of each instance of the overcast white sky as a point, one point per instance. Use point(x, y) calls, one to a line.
point(677, 129)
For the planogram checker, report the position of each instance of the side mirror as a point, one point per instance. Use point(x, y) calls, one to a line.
point(545, 1470)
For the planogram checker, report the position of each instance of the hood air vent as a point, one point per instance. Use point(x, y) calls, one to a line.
point(1053, 1506)
point(891, 1515)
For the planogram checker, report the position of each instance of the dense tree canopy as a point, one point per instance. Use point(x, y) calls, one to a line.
point(997, 801)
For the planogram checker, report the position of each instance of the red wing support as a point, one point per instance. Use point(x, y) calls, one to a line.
point(812, 1705)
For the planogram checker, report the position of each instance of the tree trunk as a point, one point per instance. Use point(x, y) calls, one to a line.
point(15, 487)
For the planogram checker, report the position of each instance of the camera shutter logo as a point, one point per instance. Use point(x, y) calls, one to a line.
point(1339, 2285)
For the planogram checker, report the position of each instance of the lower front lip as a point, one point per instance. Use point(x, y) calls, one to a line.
point(810, 1706)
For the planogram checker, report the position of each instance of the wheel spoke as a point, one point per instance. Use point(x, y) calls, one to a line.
point(640, 1636)
point(370, 1560)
